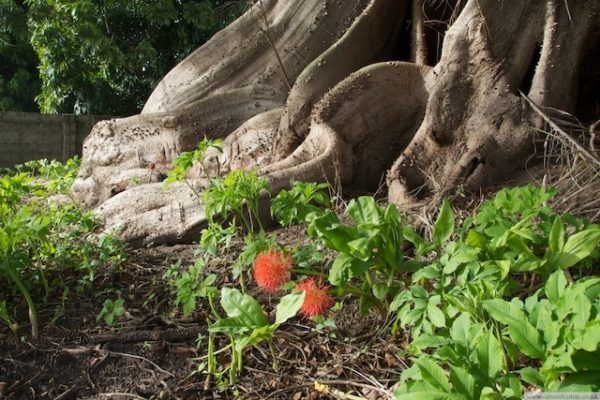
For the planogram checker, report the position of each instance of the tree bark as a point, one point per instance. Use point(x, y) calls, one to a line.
point(312, 90)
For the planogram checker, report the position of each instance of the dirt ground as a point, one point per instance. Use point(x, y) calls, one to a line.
point(152, 353)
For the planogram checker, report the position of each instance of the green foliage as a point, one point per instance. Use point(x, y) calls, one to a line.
point(559, 325)
point(56, 177)
point(237, 195)
point(106, 57)
point(6, 318)
point(19, 81)
point(44, 244)
point(371, 249)
point(216, 238)
point(189, 286)
point(293, 206)
point(111, 310)
point(472, 336)
point(247, 325)
point(186, 160)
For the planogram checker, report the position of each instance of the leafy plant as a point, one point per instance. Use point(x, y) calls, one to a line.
point(55, 176)
point(472, 337)
point(42, 243)
point(560, 326)
point(237, 195)
point(293, 206)
point(111, 310)
point(370, 250)
point(253, 245)
point(476, 362)
point(189, 286)
point(247, 325)
point(215, 238)
point(186, 160)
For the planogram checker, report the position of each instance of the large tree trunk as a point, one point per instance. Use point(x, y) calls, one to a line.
point(310, 90)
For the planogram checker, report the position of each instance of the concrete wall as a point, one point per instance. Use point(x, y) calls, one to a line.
point(31, 136)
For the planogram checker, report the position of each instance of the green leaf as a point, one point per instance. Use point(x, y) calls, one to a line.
point(365, 210)
point(424, 395)
point(339, 273)
point(433, 374)
point(503, 311)
point(429, 341)
point(555, 286)
point(435, 315)
point(360, 248)
point(578, 247)
point(463, 382)
point(532, 376)
point(590, 338)
point(490, 356)
point(444, 225)
point(234, 325)
point(380, 290)
point(244, 306)
point(460, 329)
point(527, 339)
point(556, 239)
point(289, 306)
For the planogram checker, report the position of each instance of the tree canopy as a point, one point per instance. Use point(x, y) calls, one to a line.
point(98, 57)
point(19, 82)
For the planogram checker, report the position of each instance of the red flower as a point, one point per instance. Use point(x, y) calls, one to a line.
point(316, 298)
point(272, 269)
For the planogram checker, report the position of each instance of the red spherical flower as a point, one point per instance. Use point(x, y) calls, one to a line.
point(316, 298)
point(272, 269)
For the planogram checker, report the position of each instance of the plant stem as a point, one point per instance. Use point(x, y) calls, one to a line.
point(275, 362)
point(31, 305)
point(212, 307)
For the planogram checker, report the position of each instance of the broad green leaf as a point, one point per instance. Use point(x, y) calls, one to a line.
point(244, 306)
point(289, 306)
point(360, 248)
point(503, 311)
point(581, 306)
point(555, 286)
point(463, 382)
point(527, 339)
point(490, 356)
point(549, 327)
point(532, 376)
point(504, 266)
point(578, 247)
point(235, 325)
point(444, 225)
point(556, 239)
point(426, 341)
point(262, 333)
point(590, 338)
point(487, 393)
point(365, 210)
point(460, 329)
point(339, 273)
point(435, 315)
point(512, 387)
point(380, 290)
point(433, 374)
